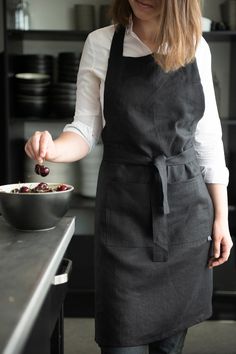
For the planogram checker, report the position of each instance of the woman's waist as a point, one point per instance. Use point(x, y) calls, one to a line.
point(123, 164)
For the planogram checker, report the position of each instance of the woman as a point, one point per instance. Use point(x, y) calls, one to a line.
point(161, 194)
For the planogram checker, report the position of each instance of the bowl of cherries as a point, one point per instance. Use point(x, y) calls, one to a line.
point(35, 206)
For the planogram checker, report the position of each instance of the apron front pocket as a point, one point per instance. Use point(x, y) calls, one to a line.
point(128, 215)
point(191, 212)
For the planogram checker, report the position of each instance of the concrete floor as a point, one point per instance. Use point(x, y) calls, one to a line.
point(209, 337)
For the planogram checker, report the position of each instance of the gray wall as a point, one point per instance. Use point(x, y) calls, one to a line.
point(57, 14)
point(212, 9)
point(220, 57)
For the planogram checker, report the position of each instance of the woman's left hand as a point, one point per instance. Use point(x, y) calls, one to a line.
point(222, 244)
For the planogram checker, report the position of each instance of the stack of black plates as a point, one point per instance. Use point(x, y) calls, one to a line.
point(68, 65)
point(32, 94)
point(63, 98)
point(34, 63)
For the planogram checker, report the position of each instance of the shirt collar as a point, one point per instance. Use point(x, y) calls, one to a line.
point(130, 32)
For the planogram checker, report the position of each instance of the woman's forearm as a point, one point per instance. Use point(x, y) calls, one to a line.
point(68, 147)
point(218, 193)
point(222, 242)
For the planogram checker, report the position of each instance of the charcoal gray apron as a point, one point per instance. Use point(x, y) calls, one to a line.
point(153, 211)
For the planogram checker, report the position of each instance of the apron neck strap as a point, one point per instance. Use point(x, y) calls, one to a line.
point(117, 45)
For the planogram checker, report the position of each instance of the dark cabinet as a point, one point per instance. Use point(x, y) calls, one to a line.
point(47, 334)
point(34, 279)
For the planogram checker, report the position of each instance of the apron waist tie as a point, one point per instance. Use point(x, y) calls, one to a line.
point(159, 214)
point(161, 166)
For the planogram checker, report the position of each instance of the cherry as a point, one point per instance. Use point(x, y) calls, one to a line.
point(62, 188)
point(41, 170)
point(24, 189)
point(44, 171)
point(37, 169)
point(41, 187)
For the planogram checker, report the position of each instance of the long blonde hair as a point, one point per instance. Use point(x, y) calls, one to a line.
point(179, 30)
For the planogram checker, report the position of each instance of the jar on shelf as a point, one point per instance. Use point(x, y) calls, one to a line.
point(22, 15)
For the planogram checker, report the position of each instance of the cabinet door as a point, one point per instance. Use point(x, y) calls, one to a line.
point(47, 335)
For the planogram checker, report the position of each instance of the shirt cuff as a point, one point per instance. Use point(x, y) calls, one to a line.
point(216, 176)
point(83, 130)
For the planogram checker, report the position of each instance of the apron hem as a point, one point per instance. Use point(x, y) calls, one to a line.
point(153, 339)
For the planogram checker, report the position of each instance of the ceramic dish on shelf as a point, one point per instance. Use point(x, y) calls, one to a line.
point(32, 78)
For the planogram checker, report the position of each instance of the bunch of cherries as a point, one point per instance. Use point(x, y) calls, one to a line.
point(41, 170)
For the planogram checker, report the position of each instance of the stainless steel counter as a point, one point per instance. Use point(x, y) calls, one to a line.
point(28, 264)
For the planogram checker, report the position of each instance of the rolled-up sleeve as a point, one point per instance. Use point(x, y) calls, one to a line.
point(208, 137)
point(88, 116)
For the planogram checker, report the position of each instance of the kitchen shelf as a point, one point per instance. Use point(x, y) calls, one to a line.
point(48, 35)
point(230, 121)
point(220, 36)
point(61, 35)
point(54, 119)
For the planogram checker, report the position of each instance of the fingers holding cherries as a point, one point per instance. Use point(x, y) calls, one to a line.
point(40, 147)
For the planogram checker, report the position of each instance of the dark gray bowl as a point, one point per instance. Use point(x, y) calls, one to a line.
point(33, 211)
point(32, 78)
point(32, 109)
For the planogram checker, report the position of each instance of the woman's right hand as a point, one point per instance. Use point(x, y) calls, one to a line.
point(40, 147)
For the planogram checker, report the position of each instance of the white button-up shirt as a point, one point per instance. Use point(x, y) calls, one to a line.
point(89, 120)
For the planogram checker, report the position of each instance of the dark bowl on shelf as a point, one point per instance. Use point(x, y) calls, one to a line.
point(68, 88)
point(21, 86)
point(34, 57)
point(34, 211)
point(32, 108)
point(33, 63)
point(68, 67)
point(64, 109)
point(60, 92)
point(65, 86)
point(55, 97)
point(67, 78)
point(40, 69)
point(32, 78)
point(68, 72)
point(27, 98)
point(34, 91)
point(64, 56)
